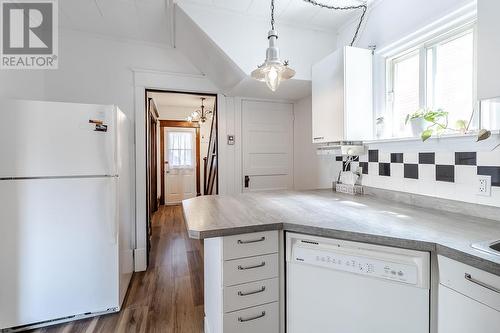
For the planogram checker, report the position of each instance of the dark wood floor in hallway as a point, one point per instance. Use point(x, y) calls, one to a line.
point(168, 297)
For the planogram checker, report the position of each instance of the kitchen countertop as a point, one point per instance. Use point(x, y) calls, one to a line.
point(366, 218)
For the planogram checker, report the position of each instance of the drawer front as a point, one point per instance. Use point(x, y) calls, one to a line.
point(472, 282)
point(249, 245)
point(250, 294)
point(259, 319)
point(250, 269)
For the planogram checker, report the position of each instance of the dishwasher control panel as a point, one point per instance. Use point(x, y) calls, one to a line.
point(401, 272)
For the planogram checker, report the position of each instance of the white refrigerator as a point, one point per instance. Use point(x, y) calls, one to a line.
point(66, 207)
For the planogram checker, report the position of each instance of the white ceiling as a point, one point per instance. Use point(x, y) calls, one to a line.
point(292, 12)
point(167, 99)
point(143, 20)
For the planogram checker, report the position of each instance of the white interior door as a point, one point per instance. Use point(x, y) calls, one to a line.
point(180, 164)
point(267, 130)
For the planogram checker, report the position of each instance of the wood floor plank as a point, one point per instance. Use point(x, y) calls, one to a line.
point(168, 297)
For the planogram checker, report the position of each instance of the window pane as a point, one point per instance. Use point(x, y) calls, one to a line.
point(453, 78)
point(180, 153)
point(406, 93)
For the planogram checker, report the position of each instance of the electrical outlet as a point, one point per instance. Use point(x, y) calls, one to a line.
point(484, 185)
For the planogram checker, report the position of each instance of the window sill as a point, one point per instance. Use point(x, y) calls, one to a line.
point(446, 142)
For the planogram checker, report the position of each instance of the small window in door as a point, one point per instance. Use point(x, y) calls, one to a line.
point(180, 150)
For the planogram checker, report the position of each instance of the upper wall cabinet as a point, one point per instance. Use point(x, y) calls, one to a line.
point(488, 49)
point(342, 96)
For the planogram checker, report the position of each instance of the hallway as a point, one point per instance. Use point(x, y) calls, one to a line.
point(168, 297)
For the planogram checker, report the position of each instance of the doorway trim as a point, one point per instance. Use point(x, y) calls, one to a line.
point(183, 124)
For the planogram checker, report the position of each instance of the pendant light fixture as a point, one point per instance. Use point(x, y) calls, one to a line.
point(201, 114)
point(273, 70)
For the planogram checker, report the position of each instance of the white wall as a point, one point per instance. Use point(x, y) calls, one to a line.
point(99, 70)
point(390, 20)
point(244, 39)
point(93, 69)
point(311, 171)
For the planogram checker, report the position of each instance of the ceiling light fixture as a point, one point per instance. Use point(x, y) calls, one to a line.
point(273, 70)
point(200, 115)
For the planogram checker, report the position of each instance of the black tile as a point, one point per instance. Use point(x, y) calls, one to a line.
point(445, 173)
point(493, 171)
point(411, 171)
point(396, 158)
point(426, 158)
point(364, 165)
point(372, 155)
point(346, 166)
point(384, 169)
point(465, 158)
point(338, 158)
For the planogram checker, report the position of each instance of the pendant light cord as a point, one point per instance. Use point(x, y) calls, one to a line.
point(364, 7)
point(272, 14)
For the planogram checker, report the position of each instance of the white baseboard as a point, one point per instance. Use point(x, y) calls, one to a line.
point(140, 260)
point(207, 326)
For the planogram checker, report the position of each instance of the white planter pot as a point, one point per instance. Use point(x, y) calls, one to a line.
point(418, 126)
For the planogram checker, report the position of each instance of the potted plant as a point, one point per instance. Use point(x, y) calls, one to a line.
point(427, 122)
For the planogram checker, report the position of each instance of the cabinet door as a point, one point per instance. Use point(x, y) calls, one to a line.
point(460, 314)
point(327, 99)
point(488, 49)
point(358, 94)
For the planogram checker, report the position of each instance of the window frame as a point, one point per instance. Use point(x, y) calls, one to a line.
point(422, 48)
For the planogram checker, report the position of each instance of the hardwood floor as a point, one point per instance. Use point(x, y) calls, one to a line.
point(168, 297)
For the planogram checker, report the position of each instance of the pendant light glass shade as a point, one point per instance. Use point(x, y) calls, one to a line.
point(273, 70)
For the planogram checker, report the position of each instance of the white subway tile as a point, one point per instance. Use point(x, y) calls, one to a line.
point(397, 170)
point(384, 157)
point(465, 174)
point(427, 172)
point(446, 158)
point(410, 158)
point(488, 158)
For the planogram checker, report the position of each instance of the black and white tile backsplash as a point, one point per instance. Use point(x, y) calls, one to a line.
point(451, 175)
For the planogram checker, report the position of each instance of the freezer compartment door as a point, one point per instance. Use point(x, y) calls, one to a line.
point(40, 139)
point(58, 248)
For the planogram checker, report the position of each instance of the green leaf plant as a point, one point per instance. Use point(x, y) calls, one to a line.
point(438, 123)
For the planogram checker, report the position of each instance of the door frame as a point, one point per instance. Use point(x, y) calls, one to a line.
point(182, 124)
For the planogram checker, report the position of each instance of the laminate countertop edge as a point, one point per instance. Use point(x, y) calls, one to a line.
point(202, 224)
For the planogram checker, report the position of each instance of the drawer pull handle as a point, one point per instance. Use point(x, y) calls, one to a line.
point(469, 277)
point(242, 268)
point(261, 290)
point(318, 138)
point(242, 320)
point(251, 241)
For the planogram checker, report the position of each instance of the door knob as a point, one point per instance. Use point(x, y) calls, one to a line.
point(247, 181)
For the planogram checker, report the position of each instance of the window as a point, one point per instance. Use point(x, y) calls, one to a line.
point(438, 74)
point(180, 150)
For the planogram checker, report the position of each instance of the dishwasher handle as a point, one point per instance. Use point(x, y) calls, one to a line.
point(469, 278)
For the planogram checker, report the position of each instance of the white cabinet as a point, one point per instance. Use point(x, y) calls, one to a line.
point(342, 96)
point(468, 299)
point(488, 49)
point(242, 283)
